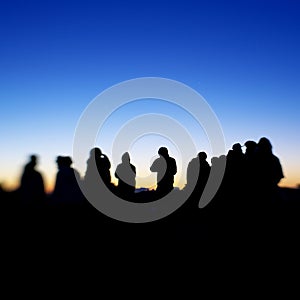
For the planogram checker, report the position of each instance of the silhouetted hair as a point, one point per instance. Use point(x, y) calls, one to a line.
point(126, 157)
point(202, 155)
point(95, 152)
point(64, 161)
point(237, 147)
point(33, 158)
point(163, 151)
point(264, 144)
point(251, 144)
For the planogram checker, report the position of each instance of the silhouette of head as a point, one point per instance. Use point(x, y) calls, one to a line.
point(264, 145)
point(126, 157)
point(63, 161)
point(214, 160)
point(95, 152)
point(202, 155)
point(67, 161)
point(59, 160)
point(237, 147)
point(250, 146)
point(33, 160)
point(163, 151)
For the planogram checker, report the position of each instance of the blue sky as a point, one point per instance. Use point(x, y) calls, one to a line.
point(56, 56)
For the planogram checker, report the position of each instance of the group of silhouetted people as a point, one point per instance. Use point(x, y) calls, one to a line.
point(244, 203)
point(67, 187)
point(256, 171)
point(98, 168)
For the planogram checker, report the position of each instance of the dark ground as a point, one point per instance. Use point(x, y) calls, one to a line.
point(82, 224)
point(51, 244)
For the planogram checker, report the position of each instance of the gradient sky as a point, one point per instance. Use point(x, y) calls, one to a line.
point(57, 56)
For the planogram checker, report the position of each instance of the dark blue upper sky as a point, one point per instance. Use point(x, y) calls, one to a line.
point(56, 56)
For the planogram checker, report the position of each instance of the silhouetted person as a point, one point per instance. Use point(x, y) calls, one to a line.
point(197, 174)
point(166, 168)
point(126, 173)
point(235, 161)
point(265, 202)
point(268, 167)
point(66, 188)
point(251, 147)
point(234, 174)
point(98, 164)
point(32, 190)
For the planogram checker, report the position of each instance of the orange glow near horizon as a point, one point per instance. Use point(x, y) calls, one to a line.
point(291, 180)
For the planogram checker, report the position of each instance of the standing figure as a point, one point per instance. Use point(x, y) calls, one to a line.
point(32, 189)
point(66, 188)
point(98, 164)
point(197, 174)
point(235, 165)
point(166, 168)
point(268, 168)
point(126, 173)
point(234, 180)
